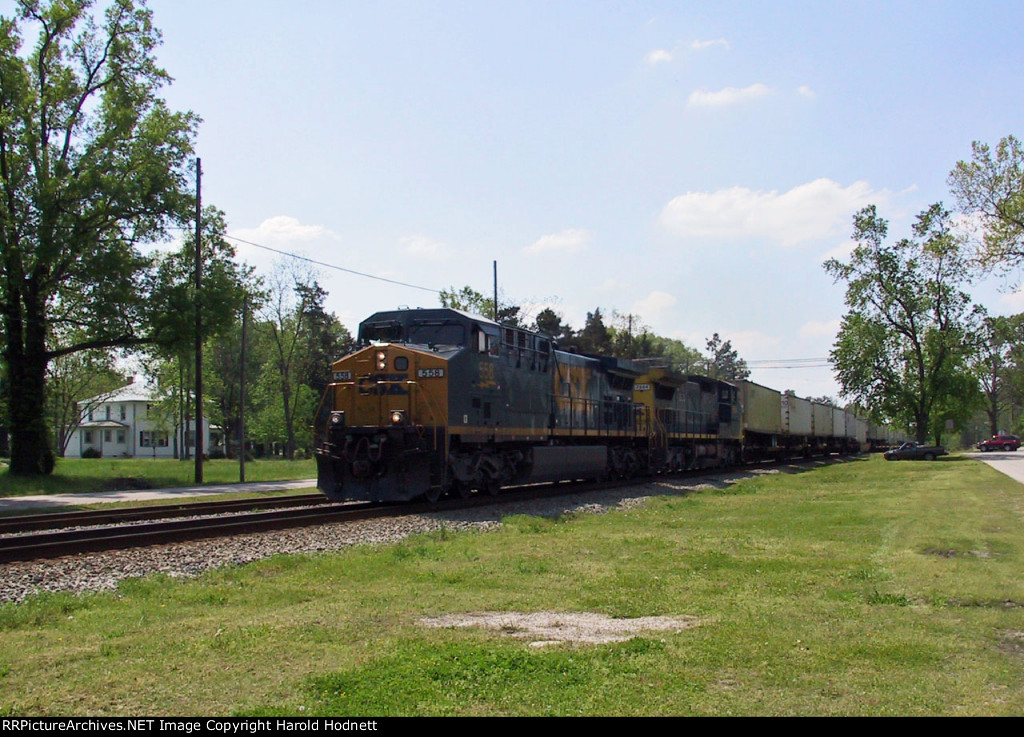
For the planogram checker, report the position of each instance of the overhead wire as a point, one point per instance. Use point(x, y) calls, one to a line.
point(765, 364)
point(333, 266)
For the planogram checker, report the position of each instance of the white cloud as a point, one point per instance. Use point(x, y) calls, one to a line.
point(728, 95)
point(659, 56)
point(750, 344)
point(1014, 301)
point(700, 45)
point(818, 329)
point(420, 246)
point(805, 91)
point(283, 230)
point(655, 303)
point(571, 240)
point(611, 284)
point(842, 252)
point(808, 212)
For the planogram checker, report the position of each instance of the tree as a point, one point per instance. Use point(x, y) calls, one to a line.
point(326, 339)
point(903, 345)
point(73, 380)
point(724, 361)
point(677, 355)
point(92, 163)
point(299, 339)
point(170, 284)
point(993, 188)
point(550, 323)
point(998, 365)
point(468, 299)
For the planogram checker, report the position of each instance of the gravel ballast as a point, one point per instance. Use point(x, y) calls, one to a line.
point(99, 571)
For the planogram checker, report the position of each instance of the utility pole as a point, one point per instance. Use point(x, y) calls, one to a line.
point(199, 322)
point(241, 394)
point(495, 291)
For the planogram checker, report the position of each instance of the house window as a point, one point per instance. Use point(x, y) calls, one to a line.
point(150, 439)
point(108, 436)
point(108, 411)
point(124, 412)
point(122, 437)
point(87, 437)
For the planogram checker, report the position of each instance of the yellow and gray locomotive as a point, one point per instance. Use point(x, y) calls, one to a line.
point(437, 401)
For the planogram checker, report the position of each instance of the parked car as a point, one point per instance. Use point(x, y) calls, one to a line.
point(911, 451)
point(999, 442)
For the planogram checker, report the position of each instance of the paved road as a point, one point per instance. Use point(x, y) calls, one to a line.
point(25, 503)
point(1011, 463)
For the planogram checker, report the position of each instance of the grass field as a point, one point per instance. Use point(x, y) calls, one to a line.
point(859, 588)
point(82, 475)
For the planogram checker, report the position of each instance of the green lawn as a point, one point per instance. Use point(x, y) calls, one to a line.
point(78, 475)
point(859, 588)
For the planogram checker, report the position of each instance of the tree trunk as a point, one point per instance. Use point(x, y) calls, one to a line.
point(921, 435)
point(31, 449)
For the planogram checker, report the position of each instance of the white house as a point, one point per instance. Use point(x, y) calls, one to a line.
point(124, 424)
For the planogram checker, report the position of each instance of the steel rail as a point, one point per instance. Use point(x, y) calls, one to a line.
point(55, 544)
point(90, 518)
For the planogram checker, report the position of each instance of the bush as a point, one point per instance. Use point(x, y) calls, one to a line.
point(92, 453)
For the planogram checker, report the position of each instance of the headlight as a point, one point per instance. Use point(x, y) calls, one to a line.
point(382, 360)
point(397, 416)
point(337, 419)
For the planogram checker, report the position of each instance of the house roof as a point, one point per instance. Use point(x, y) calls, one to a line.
point(129, 393)
point(104, 424)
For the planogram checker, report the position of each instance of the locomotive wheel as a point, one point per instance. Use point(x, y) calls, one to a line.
point(461, 489)
point(432, 494)
point(491, 487)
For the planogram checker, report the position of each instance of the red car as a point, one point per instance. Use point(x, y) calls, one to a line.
point(1000, 442)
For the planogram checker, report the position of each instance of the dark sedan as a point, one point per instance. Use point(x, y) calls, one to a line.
point(911, 451)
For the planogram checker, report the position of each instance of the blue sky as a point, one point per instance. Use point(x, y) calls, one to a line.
point(690, 162)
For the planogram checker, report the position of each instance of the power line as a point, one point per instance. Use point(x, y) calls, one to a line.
point(790, 363)
point(333, 266)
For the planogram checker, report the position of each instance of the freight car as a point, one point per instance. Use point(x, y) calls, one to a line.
point(439, 401)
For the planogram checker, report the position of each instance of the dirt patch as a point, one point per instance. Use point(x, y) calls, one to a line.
point(1011, 642)
point(553, 628)
point(951, 553)
point(127, 483)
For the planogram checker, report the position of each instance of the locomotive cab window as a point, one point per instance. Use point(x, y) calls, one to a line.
point(388, 332)
point(435, 334)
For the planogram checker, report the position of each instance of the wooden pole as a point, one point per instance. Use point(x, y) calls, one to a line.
point(241, 394)
point(199, 322)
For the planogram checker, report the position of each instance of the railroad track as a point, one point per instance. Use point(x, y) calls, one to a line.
point(92, 518)
point(102, 535)
point(226, 520)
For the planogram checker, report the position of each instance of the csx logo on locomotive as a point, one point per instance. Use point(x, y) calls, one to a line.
point(383, 384)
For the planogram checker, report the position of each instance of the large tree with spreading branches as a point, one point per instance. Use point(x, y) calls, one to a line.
point(93, 165)
point(905, 342)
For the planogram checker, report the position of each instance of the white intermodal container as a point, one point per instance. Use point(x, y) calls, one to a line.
point(761, 408)
point(797, 417)
point(838, 422)
point(822, 415)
